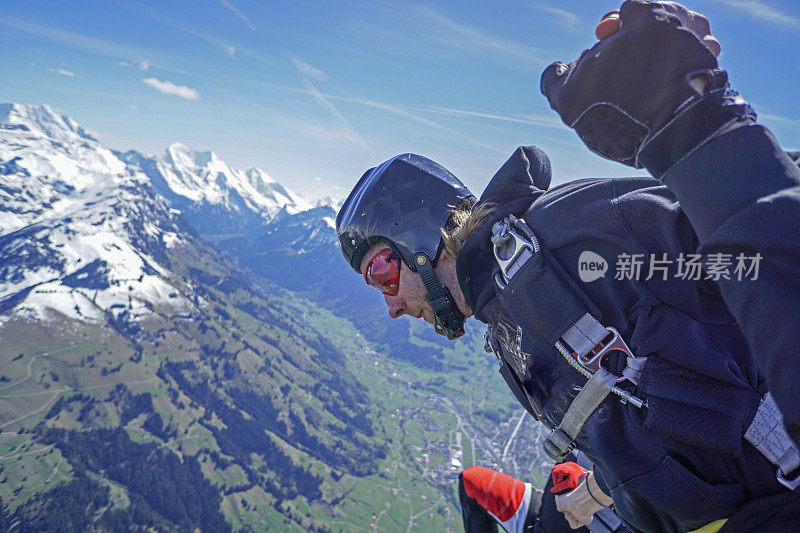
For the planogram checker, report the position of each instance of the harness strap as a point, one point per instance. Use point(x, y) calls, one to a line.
point(769, 437)
point(633, 368)
point(561, 441)
point(585, 335)
point(564, 321)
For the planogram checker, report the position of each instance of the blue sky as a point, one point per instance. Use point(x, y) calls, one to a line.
point(316, 92)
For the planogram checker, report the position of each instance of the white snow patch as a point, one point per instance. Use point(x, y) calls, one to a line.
point(53, 297)
point(76, 201)
point(170, 239)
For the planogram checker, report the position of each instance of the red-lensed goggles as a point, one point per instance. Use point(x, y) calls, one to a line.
point(383, 272)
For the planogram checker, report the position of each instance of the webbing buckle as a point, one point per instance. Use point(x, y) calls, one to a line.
point(511, 249)
point(558, 444)
point(591, 361)
point(790, 484)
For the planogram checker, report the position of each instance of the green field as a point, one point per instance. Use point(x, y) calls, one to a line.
point(426, 421)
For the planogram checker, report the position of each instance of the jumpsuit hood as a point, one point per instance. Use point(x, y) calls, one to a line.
point(523, 177)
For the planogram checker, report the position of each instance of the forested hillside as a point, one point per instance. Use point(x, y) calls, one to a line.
point(158, 371)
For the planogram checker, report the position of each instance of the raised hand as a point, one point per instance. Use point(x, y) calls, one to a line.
point(691, 20)
point(650, 91)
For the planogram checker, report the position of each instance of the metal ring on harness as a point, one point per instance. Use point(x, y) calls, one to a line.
point(790, 484)
point(511, 250)
point(592, 360)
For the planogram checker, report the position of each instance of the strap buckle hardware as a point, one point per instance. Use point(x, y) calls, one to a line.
point(558, 444)
point(511, 249)
point(790, 484)
point(591, 361)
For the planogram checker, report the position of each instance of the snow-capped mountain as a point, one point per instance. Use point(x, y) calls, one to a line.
point(86, 232)
point(204, 178)
point(124, 329)
point(275, 192)
point(215, 198)
point(81, 233)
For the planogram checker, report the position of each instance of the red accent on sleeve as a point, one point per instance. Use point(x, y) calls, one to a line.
point(498, 493)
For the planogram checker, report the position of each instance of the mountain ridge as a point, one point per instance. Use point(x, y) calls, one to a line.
point(219, 339)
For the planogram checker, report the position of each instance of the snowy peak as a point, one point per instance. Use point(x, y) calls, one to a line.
point(56, 163)
point(181, 156)
point(203, 178)
point(42, 120)
point(198, 176)
point(257, 177)
point(82, 234)
point(274, 191)
point(331, 202)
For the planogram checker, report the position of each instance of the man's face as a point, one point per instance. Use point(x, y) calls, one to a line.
point(411, 298)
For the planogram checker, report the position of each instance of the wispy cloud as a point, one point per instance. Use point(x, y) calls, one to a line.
point(226, 46)
point(420, 115)
point(411, 113)
point(152, 14)
point(763, 11)
point(318, 134)
point(770, 118)
point(62, 71)
point(561, 16)
point(347, 130)
point(80, 42)
point(67, 89)
point(547, 122)
point(395, 110)
point(170, 88)
point(237, 13)
point(307, 70)
point(124, 64)
point(462, 36)
point(423, 25)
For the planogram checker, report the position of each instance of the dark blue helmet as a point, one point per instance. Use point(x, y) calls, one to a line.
point(405, 202)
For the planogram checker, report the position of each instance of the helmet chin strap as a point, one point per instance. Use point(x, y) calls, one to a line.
point(449, 319)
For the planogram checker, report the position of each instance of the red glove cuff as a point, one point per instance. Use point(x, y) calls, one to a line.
point(567, 476)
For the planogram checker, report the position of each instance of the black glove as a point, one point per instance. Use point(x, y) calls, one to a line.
point(629, 98)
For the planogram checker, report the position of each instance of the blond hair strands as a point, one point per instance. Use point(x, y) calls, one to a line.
point(465, 218)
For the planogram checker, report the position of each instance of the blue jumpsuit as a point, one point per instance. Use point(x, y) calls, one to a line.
point(741, 193)
point(681, 462)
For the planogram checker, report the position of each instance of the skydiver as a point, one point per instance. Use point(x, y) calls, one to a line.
point(653, 378)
